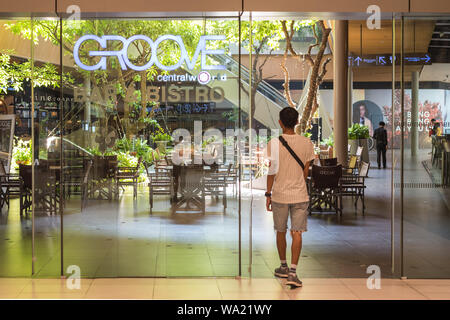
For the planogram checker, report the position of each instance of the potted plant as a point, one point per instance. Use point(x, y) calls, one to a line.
point(357, 137)
point(22, 153)
point(329, 143)
point(161, 139)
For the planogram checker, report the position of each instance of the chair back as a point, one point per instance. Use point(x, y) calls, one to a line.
point(326, 177)
point(352, 162)
point(99, 168)
point(328, 162)
point(364, 169)
point(359, 151)
point(191, 177)
point(25, 172)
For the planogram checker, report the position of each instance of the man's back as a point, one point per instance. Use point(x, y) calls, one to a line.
point(380, 135)
point(289, 184)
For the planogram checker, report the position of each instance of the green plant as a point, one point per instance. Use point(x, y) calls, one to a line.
point(150, 122)
point(95, 151)
point(357, 131)
point(160, 135)
point(329, 141)
point(22, 152)
point(125, 159)
point(142, 150)
point(123, 144)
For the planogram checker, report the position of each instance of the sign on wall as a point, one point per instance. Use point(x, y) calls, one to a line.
point(371, 60)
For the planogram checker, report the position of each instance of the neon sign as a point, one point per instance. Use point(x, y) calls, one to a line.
point(124, 61)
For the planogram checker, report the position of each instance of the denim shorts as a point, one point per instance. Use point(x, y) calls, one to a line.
point(297, 211)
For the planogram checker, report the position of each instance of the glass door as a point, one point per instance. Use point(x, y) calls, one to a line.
point(15, 121)
point(425, 141)
point(148, 188)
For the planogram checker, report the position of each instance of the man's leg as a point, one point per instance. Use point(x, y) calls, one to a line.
point(378, 157)
point(281, 245)
point(280, 214)
point(299, 215)
point(384, 157)
point(296, 247)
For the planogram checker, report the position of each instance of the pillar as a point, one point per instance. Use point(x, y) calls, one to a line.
point(350, 95)
point(414, 113)
point(340, 90)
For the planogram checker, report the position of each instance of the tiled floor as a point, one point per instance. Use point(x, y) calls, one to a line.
point(222, 288)
point(122, 239)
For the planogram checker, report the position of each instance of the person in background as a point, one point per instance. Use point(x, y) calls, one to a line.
point(380, 135)
point(434, 132)
point(363, 120)
point(287, 192)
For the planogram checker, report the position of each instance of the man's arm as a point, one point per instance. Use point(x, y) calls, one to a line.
point(306, 170)
point(375, 134)
point(270, 178)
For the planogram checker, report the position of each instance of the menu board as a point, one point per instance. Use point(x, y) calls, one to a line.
point(7, 123)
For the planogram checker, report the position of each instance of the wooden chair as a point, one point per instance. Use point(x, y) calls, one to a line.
point(215, 185)
point(128, 176)
point(25, 173)
point(160, 183)
point(358, 155)
point(328, 162)
point(191, 190)
point(101, 182)
point(11, 185)
point(354, 186)
point(351, 168)
point(46, 188)
point(324, 189)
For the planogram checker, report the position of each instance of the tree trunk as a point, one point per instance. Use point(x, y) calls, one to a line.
point(313, 82)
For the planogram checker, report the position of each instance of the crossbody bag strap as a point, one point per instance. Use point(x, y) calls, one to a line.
point(293, 154)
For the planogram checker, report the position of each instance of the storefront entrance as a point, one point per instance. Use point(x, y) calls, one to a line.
point(143, 165)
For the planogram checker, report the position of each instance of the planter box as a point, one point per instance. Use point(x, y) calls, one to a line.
point(354, 144)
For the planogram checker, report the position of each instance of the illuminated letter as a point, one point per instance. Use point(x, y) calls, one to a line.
point(205, 52)
point(180, 43)
point(101, 64)
point(152, 57)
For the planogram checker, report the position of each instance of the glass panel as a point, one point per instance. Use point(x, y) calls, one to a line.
point(334, 246)
point(136, 206)
point(425, 196)
point(15, 225)
point(44, 172)
point(371, 70)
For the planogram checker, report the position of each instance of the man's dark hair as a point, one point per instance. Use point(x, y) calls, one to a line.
point(382, 123)
point(289, 117)
point(433, 120)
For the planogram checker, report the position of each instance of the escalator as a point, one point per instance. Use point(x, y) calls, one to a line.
point(268, 100)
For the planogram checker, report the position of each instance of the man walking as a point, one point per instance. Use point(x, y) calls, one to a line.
point(287, 195)
point(380, 135)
